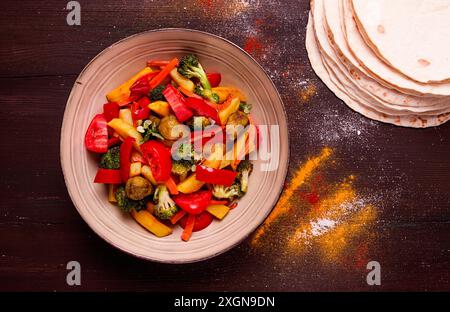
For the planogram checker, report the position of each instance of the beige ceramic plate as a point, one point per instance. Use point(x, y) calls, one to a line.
point(115, 65)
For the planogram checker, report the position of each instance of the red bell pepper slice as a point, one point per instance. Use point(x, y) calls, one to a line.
point(178, 103)
point(158, 79)
point(214, 79)
point(141, 87)
point(201, 108)
point(96, 138)
point(139, 113)
point(109, 176)
point(218, 202)
point(233, 205)
point(215, 176)
point(111, 111)
point(210, 134)
point(113, 141)
point(159, 159)
point(143, 102)
point(202, 221)
point(194, 203)
point(125, 155)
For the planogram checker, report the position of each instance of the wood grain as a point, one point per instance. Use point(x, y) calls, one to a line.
point(40, 230)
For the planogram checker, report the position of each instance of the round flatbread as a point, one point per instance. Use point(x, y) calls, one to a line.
point(412, 36)
point(333, 13)
point(366, 89)
point(353, 102)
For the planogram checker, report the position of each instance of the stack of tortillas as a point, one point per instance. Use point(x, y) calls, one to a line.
point(386, 59)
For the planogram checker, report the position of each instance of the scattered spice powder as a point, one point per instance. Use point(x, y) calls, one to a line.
point(253, 46)
point(307, 92)
point(300, 176)
point(338, 218)
point(335, 222)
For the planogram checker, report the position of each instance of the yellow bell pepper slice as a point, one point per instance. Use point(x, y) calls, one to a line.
point(182, 81)
point(135, 169)
point(125, 130)
point(218, 211)
point(225, 92)
point(147, 173)
point(229, 109)
point(125, 116)
point(112, 193)
point(160, 107)
point(148, 221)
point(121, 94)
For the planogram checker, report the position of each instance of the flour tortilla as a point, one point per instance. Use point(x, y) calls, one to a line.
point(319, 67)
point(412, 36)
point(377, 67)
point(391, 98)
point(355, 82)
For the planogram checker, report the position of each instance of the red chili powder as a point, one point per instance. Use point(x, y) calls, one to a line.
point(206, 3)
point(253, 46)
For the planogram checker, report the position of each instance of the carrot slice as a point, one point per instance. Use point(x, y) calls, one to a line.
point(189, 93)
point(171, 186)
point(157, 63)
point(163, 73)
point(180, 214)
point(189, 228)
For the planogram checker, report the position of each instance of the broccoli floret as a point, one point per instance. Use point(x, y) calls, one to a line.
point(245, 168)
point(181, 167)
point(221, 191)
point(190, 67)
point(127, 204)
point(165, 207)
point(111, 160)
point(245, 107)
point(157, 94)
point(185, 151)
point(207, 94)
point(149, 129)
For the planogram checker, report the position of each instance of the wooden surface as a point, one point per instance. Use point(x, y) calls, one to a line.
point(40, 230)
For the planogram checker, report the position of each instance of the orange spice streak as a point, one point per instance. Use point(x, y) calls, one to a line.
point(302, 174)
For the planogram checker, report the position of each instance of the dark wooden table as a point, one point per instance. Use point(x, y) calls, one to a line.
point(405, 171)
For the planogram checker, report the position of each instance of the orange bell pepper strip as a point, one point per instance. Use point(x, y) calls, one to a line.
point(180, 214)
point(157, 63)
point(189, 93)
point(163, 73)
point(171, 186)
point(187, 233)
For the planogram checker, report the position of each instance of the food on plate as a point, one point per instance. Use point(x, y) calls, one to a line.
point(351, 66)
point(151, 167)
